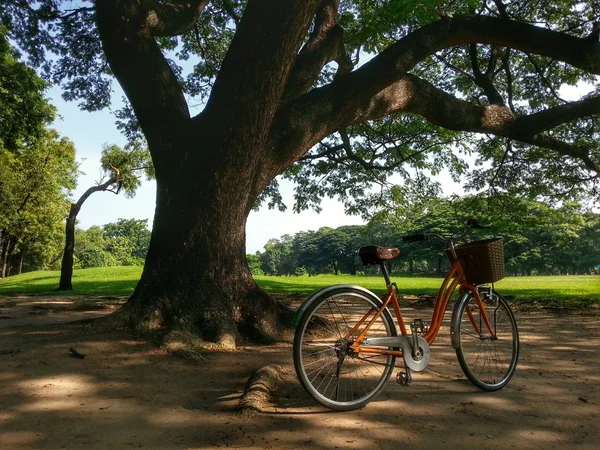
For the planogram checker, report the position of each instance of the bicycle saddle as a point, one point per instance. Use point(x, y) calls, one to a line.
point(373, 254)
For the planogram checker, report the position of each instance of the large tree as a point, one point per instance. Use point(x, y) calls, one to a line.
point(264, 70)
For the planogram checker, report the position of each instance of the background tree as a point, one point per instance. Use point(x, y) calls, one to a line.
point(128, 240)
point(24, 110)
point(278, 257)
point(271, 95)
point(122, 171)
point(34, 183)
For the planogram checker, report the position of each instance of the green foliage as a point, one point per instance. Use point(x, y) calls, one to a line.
point(129, 236)
point(254, 264)
point(34, 184)
point(121, 243)
point(130, 162)
point(538, 239)
point(93, 257)
point(24, 110)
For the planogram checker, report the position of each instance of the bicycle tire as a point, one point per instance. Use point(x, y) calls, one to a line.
point(489, 362)
point(357, 379)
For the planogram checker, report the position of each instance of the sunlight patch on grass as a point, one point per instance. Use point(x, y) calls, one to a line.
point(121, 281)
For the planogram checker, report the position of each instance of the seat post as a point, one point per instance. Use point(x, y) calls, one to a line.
point(385, 273)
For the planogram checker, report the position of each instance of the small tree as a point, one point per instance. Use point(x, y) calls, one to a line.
point(122, 170)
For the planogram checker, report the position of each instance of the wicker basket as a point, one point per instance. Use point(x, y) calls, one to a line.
point(482, 261)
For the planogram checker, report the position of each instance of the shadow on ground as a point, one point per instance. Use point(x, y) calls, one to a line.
point(127, 393)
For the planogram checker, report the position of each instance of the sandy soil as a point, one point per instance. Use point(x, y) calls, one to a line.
point(127, 393)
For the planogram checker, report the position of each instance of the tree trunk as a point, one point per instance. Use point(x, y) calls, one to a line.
point(21, 258)
point(210, 169)
point(66, 268)
point(4, 255)
point(195, 277)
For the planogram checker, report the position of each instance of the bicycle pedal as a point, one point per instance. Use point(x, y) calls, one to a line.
point(403, 378)
point(419, 326)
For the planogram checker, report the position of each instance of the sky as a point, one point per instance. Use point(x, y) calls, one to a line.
point(90, 131)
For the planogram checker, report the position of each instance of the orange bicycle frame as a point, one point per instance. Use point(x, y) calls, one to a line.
point(454, 277)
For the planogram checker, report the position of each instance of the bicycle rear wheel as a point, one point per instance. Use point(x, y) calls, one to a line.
point(489, 360)
point(326, 367)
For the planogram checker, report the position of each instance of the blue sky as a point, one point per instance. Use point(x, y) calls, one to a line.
point(89, 131)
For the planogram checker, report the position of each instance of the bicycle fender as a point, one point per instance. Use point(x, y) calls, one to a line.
point(325, 291)
point(455, 319)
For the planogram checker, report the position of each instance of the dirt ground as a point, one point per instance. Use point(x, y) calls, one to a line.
point(128, 393)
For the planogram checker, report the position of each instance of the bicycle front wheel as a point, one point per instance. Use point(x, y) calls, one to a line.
point(327, 368)
point(488, 359)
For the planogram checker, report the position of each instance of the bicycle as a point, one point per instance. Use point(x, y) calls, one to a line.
point(346, 341)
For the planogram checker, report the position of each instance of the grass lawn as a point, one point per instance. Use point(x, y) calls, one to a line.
point(579, 289)
point(93, 281)
point(559, 288)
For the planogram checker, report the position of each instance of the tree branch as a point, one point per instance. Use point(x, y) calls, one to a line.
point(485, 81)
point(142, 70)
point(228, 6)
point(325, 44)
point(557, 115)
point(100, 187)
point(382, 86)
point(540, 73)
point(564, 148)
point(172, 19)
point(255, 70)
point(509, 79)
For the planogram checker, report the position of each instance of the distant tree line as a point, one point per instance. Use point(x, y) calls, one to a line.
point(538, 239)
point(121, 243)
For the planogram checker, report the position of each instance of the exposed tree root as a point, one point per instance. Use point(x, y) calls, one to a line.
point(259, 389)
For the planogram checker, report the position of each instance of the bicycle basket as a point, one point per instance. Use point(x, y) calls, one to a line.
point(482, 261)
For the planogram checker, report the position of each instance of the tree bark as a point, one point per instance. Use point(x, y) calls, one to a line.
point(21, 258)
point(196, 277)
point(66, 267)
point(4, 256)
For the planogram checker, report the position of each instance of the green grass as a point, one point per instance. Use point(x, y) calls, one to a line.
point(93, 281)
point(554, 290)
point(581, 287)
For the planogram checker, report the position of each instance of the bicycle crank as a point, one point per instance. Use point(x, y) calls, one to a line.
point(415, 359)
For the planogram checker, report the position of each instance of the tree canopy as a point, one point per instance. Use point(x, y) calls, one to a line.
point(479, 69)
point(538, 239)
point(34, 185)
point(24, 110)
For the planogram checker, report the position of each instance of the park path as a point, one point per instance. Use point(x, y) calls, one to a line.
point(127, 393)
